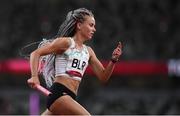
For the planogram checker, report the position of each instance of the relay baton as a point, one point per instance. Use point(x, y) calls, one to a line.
point(42, 89)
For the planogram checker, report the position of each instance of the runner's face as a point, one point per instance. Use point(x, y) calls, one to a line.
point(87, 28)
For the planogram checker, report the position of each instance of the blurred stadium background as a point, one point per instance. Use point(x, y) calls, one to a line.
point(146, 80)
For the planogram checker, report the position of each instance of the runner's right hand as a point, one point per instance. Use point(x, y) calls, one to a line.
point(33, 81)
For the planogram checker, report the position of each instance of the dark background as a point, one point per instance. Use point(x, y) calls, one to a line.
point(148, 29)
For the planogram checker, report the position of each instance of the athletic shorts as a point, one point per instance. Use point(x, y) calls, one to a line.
point(58, 90)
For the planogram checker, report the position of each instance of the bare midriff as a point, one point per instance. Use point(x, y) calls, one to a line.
point(71, 84)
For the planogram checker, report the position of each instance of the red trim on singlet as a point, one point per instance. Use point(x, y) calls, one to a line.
point(74, 73)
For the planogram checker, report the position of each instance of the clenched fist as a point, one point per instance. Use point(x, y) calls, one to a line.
point(116, 53)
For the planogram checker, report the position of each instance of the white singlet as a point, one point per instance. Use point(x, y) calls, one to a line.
point(73, 62)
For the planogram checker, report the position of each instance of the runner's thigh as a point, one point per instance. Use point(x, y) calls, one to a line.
point(46, 112)
point(66, 105)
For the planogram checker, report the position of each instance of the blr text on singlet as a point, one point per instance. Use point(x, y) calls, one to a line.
point(73, 62)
